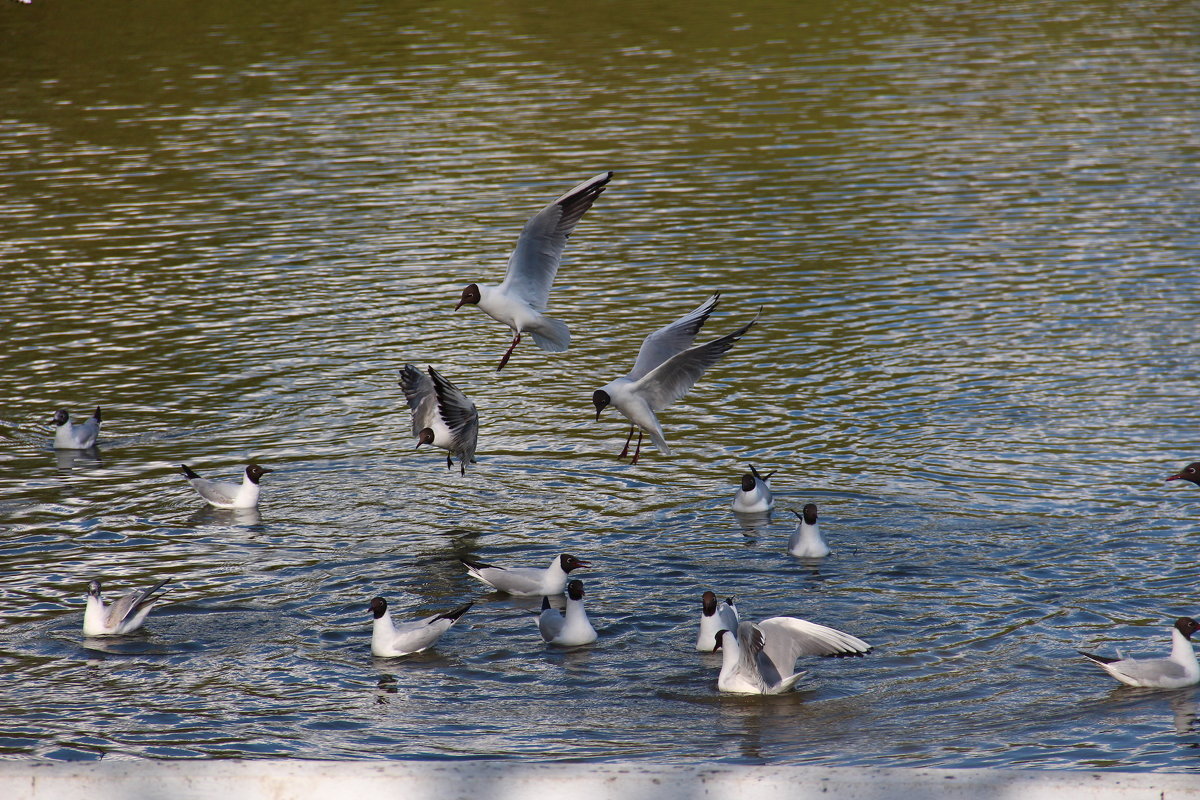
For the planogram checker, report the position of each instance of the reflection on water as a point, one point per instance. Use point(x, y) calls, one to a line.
point(973, 233)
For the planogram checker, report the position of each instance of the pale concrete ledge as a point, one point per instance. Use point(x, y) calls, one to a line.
point(510, 780)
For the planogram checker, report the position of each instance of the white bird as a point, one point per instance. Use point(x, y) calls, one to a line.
point(441, 415)
point(68, 436)
point(754, 495)
point(125, 615)
point(519, 302)
point(225, 494)
point(761, 657)
point(569, 629)
point(666, 369)
point(389, 640)
point(1176, 670)
point(716, 617)
point(806, 541)
point(526, 581)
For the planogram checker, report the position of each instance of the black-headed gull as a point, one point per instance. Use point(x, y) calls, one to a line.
point(1189, 473)
point(68, 436)
point(667, 367)
point(569, 629)
point(390, 639)
point(806, 541)
point(125, 615)
point(760, 657)
point(715, 617)
point(1176, 670)
point(754, 495)
point(224, 494)
point(441, 415)
point(520, 300)
point(526, 581)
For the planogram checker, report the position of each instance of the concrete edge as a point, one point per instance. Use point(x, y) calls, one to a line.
point(523, 780)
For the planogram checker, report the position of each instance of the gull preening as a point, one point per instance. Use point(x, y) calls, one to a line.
point(125, 615)
point(521, 299)
point(754, 495)
point(570, 628)
point(761, 657)
point(666, 369)
point(806, 541)
point(1173, 672)
point(526, 581)
point(715, 617)
point(1189, 473)
point(225, 494)
point(390, 639)
point(441, 415)
point(68, 436)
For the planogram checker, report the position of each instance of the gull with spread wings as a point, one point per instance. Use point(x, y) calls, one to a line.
point(667, 368)
point(520, 300)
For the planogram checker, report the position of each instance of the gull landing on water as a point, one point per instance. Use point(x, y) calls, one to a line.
point(68, 436)
point(441, 415)
point(125, 615)
point(761, 657)
point(666, 369)
point(754, 496)
point(390, 640)
point(521, 299)
point(569, 629)
point(224, 494)
point(526, 581)
point(1173, 672)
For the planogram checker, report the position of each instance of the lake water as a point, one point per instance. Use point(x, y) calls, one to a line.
point(973, 231)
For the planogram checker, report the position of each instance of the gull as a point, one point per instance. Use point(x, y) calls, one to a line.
point(569, 629)
point(125, 615)
point(224, 494)
point(520, 300)
point(754, 495)
point(806, 541)
point(722, 617)
point(1176, 670)
point(1189, 473)
point(441, 415)
point(75, 437)
point(389, 640)
point(666, 369)
point(761, 657)
point(526, 581)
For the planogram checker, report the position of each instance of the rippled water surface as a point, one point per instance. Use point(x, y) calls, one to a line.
point(972, 228)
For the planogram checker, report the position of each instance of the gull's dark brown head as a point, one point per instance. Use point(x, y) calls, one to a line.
point(1189, 473)
point(601, 401)
point(470, 296)
point(378, 607)
point(254, 472)
point(570, 562)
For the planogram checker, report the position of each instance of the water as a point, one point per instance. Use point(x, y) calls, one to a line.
point(973, 232)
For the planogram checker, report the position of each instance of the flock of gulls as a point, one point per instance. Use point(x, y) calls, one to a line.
point(757, 657)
